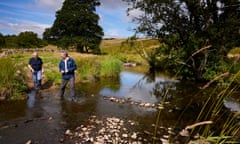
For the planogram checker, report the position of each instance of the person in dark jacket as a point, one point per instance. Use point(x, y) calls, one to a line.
point(36, 66)
point(67, 67)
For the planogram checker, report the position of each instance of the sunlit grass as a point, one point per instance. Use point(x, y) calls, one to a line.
point(110, 67)
point(12, 79)
point(235, 51)
point(87, 68)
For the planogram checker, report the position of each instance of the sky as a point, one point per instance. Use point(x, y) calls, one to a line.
point(35, 15)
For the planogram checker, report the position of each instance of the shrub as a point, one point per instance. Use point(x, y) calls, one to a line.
point(110, 67)
point(88, 67)
point(12, 79)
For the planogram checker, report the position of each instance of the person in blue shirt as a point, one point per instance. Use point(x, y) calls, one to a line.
point(67, 67)
point(36, 66)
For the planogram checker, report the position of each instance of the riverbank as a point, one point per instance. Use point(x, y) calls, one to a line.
point(90, 68)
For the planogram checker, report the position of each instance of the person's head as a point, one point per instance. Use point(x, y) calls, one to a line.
point(35, 55)
point(64, 54)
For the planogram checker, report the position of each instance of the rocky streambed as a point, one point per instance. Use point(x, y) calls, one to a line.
point(113, 130)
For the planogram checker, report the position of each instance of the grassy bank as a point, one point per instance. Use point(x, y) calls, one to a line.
point(16, 77)
point(12, 84)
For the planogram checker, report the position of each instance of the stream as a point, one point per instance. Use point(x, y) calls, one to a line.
point(128, 104)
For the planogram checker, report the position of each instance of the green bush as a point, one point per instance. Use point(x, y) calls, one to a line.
point(110, 67)
point(235, 50)
point(88, 67)
point(98, 67)
point(7, 71)
point(12, 79)
point(53, 76)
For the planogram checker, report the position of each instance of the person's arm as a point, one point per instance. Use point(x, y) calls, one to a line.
point(42, 69)
point(29, 66)
point(61, 67)
point(72, 66)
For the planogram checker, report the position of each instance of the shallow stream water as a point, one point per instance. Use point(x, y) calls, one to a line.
point(45, 118)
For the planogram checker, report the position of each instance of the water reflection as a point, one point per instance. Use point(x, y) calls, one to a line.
point(31, 99)
point(141, 88)
point(232, 104)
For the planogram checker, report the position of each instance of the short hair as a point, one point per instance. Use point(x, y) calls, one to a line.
point(35, 53)
point(65, 52)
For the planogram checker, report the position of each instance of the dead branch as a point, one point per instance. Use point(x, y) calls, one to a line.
point(202, 49)
point(185, 131)
point(226, 74)
point(198, 124)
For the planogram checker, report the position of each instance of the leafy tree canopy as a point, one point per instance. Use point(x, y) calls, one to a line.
point(76, 24)
point(28, 39)
point(2, 41)
point(196, 34)
point(25, 39)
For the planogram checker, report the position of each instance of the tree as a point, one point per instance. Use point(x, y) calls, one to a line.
point(48, 36)
point(76, 24)
point(29, 39)
point(196, 34)
point(2, 41)
point(11, 41)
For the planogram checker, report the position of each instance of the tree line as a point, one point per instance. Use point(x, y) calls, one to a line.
point(26, 39)
point(76, 26)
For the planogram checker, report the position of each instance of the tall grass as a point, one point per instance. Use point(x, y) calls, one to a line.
point(225, 125)
point(50, 65)
point(87, 68)
point(110, 67)
point(92, 67)
point(12, 79)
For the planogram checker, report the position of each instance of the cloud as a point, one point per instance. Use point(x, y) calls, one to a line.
point(17, 26)
point(134, 14)
point(113, 4)
point(112, 33)
point(117, 33)
point(52, 5)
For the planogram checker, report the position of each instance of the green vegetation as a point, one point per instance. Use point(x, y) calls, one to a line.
point(92, 67)
point(121, 49)
point(196, 35)
point(23, 40)
point(88, 68)
point(2, 41)
point(110, 67)
point(211, 123)
point(16, 75)
point(235, 51)
point(51, 62)
point(76, 25)
point(225, 126)
point(12, 84)
point(29, 40)
point(192, 43)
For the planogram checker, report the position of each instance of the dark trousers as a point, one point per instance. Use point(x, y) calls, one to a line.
point(72, 87)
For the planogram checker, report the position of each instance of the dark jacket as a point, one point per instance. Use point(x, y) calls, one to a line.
point(71, 66)
point(36, 63)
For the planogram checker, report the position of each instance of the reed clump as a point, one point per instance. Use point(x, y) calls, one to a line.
point(13, 82)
